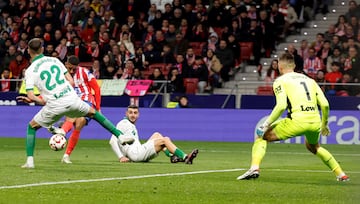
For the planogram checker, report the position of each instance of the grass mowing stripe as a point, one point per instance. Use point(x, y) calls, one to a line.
point(153, 176)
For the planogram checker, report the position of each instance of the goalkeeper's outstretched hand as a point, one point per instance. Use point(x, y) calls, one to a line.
point(325, 130)
point(261, 130)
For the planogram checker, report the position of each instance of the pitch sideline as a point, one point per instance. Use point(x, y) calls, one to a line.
point(146, 176)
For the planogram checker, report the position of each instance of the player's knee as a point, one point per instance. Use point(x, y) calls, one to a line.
point(312, 148)
point(157, 134)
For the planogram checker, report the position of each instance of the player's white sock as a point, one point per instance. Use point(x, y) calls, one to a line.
point(30, 160)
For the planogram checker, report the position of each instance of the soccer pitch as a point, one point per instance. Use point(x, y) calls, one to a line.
point(289, 174)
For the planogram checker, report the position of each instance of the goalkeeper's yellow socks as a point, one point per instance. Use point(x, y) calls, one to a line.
point(107, 124)
point(74, 138)
point(67, 126)
point(330, 161)
point(30, 140)
point(258, 152)
point(181, 154)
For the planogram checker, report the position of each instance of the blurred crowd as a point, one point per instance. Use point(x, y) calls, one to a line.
point(172, 39)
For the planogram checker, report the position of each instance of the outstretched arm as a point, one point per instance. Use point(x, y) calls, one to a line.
point(31, 98)
point(115, 147)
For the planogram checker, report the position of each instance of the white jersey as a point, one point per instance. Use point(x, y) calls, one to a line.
point(136, 151)
point(129, 130)
point(48, 75)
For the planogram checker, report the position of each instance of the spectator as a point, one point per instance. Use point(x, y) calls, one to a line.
point(95, 69)
point(226, 58)
point(346, 89)
point(340, 26)
point(49, 49)
point(216, 15)
point(6, 84)
point(330, 33)
point(268, 32)
point(170, 34)
point(158, 41)
point(94, 50)
point(151, 55)
point(333, 77)
point(181, 65)
point(156, 75)
point(139, 59)
point(304, 49)
point(200, 33)
point(290, 17)
point(200, 71)
point(62, 49)
point(17, 65)
point(176, 84)
point(109, 72)
point(352, 64)
point(167, 55)
point(312, 64)
point(324, 52)
point(107, 60)
point(335, 42)
point(78, 49)
point(179, 45)
point(65, 15)
point(157, 21)
point(318, 43)
point(127, 42)
point(136, 75)
point(184, 29)
point(214, 68)
point(88, 31)
point(320, 79)
point(212, 42)
point(183, 102)
point(273, 71)
point(299, 62)
point(336, 56)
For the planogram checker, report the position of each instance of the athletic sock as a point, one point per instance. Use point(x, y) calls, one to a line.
point(329, 161)
point(258, 152)
point(30, 140)
point(74, 138)
point(168, 153)
point(107, 124)
point(67, 126)
point(178, 152)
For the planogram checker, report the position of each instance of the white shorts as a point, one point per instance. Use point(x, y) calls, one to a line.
point(140, 153)
point(71, 106)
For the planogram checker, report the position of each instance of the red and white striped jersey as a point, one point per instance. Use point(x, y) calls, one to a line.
point(85, 82)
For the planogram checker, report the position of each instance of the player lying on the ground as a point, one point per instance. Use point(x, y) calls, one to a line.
point(137, 152)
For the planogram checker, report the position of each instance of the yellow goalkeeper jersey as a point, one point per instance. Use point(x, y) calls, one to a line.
point(300, 95)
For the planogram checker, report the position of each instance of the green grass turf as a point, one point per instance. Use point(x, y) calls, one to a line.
point(289, 174)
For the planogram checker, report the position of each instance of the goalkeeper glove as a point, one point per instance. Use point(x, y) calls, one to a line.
point(325, 130)
point(262, 129)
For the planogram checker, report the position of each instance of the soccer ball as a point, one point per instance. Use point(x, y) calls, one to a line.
point(57, 142)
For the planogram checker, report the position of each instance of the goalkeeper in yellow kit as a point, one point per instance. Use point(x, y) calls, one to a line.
point(301, 96)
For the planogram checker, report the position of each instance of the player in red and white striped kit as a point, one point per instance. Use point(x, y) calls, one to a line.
point(84, 84)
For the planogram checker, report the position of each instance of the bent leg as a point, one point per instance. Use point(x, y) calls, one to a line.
point(160, 143)
point(75, 135)
point(327, 158)
point(103, 121)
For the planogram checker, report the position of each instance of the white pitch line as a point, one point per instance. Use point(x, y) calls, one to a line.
point(152, 176)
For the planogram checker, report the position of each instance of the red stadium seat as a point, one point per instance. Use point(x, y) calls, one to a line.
point(191, 85)
point(246, 51)
point(161, 66)
point(265, 90)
